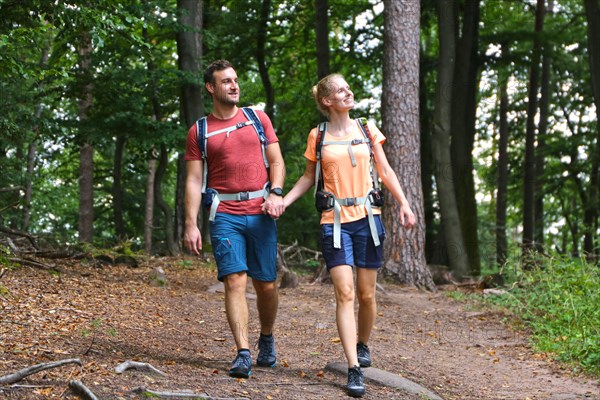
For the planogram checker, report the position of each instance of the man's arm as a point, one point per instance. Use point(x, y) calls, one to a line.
point(274, 204)
point(193, 196)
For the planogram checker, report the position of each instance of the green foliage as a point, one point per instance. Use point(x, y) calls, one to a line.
point(559, 300)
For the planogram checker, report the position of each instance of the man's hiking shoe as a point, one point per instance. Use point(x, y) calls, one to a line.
point(364, 355)
point(241, 365)
point(356, 386)
point(266, 351)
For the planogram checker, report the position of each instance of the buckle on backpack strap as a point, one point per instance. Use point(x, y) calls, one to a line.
point(350, 201)
point(240, 125)
point(244, 196)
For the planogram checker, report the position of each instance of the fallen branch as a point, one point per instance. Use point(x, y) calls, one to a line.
point(186, 394)
point(141, 366)
point(82, 391)
point(31, 263)
point(19, 375)
point(19, 233)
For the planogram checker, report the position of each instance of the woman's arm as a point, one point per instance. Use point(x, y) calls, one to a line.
point(305, 182)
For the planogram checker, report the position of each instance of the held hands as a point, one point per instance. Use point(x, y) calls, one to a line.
point(273, 206)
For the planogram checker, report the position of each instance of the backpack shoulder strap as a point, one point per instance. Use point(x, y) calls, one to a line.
point(321, 130)
point(264, 142)
point(201, 131)
point(364, 127)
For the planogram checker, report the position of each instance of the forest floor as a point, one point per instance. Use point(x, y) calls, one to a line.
point(105, 316)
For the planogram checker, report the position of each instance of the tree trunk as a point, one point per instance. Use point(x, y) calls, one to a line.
point(263, 70)
point(322, 36)
point(404, 250)
point(162, 204)
point(149, 214)
point(86, 151)
point(502, 179)
point(117, 191)
point(32, 150)
point(540, 153)
point(592, 12)
point(440, 141)
point(464, 109)
point(189, 51)
point(426, 168)
point(530, 136)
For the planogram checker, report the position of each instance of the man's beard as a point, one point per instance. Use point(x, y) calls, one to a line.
point(226, 99)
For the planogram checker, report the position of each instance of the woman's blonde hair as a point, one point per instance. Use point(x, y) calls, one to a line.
point(324, 88)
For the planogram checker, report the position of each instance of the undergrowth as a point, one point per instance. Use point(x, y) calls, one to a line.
point(559, 300)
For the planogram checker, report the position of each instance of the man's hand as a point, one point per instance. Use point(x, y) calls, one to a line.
point(193, 239)
point(273, 206)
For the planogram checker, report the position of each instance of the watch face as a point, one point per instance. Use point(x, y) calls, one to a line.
point(277, 191)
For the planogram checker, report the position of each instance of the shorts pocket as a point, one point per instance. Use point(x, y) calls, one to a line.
point(223, 250)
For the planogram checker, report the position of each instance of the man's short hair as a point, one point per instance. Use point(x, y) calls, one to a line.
point(218, 65)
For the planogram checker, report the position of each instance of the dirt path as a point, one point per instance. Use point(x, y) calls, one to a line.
point(106, 316)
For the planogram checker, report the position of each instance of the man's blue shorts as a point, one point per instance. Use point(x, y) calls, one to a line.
point(245, 243)
point(357, 246)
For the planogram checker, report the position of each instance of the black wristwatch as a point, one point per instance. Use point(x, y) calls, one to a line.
point(277, 191)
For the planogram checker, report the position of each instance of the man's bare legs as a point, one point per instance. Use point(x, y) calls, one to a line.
point(267, 301)
point(236, 307)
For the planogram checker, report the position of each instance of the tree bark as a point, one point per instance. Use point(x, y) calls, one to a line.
point(404, 250)
point(592, 12)
point(529, 182)
point(440, 141)
point(464, 109)
point(322, 37)
point(189, 51)
point(149, 213)
point(86, 150)
point(502, 178)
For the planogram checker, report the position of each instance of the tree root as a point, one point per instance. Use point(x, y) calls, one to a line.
point(19, 375)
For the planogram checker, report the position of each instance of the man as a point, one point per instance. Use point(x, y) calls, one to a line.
point(244, 238)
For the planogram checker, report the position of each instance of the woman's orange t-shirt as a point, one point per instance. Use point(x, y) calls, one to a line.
point(339, 176)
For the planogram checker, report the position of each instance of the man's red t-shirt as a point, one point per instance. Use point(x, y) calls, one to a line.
point(235, 161)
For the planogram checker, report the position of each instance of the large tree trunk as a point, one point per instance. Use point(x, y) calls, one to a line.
point(457, 254)
point(592, 12)
point(405, 249)
point(189, 50)
point(464, 109)
point(322, 35)
point(86, 150)
point(502, 178)
point(263, 70)
point(532, 106)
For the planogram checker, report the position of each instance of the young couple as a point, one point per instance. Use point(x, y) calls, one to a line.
point(342, 153)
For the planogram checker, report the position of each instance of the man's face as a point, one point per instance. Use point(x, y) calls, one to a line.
point(225, 88)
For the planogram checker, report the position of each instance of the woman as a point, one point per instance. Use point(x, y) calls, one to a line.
point(346, 175)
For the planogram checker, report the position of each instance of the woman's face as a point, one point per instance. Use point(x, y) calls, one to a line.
point(341, 97)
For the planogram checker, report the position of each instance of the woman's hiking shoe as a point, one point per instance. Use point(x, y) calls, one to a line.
point(364, 355)
point(241, 365)
point(266, 351)
point(356, 386)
